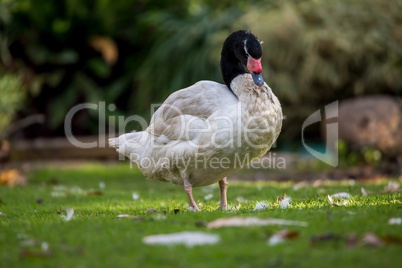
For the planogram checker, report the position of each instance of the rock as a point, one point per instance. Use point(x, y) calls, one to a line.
point(372, 121)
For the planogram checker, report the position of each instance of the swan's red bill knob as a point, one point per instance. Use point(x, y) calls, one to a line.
point(255, 68)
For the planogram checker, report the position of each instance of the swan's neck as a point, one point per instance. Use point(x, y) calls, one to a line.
point(230, 67)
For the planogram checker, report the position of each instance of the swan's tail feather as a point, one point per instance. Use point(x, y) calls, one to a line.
point(130, 143)
point(114, 142)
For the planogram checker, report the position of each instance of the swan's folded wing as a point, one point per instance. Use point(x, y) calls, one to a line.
point(187, 110)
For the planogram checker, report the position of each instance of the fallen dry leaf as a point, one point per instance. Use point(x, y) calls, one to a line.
point(325, 237)
point(188, 239)
point(34, 253)
point(33, 250)
point(392, 239)
point(152, 210)
point(280, 198)
point(372, 239)
point(12, 177)
point(107, 47)
point(282, 236)
point(352, 240)
point(53, 181)
point(252, 221)
point(392, 186)
point(94, 192)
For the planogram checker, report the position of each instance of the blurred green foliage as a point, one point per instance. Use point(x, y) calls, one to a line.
point(12, 95)
point(134, 53)
point(112, 51)
point(351, 157)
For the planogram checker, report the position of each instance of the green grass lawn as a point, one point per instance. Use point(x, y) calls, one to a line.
point(31, 221)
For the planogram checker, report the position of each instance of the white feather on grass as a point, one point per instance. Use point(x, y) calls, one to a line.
point(284, 203)
point(251, 221)
point(69, 214)
point(261, 206)
point(341, 195)
point(363, 191)
point(208, 196)
point(395, 221)
point(136, 196)
point(188, 239)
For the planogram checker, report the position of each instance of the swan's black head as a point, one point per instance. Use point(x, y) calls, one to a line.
point(241, 50)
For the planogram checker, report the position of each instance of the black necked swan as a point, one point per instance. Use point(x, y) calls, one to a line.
point(205, 132)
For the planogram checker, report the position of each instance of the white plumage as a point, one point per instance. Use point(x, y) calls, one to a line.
point(205, 132)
